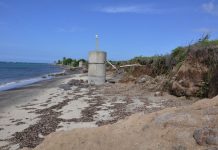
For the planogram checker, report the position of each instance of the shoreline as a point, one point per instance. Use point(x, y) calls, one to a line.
point(17, 93)
point(29, 114)
point(16, 107)
point(26, 90)
point(25, 82)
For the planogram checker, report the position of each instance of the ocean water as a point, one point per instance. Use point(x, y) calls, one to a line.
point(13, 75)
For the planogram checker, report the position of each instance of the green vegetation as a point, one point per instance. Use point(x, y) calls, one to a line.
point(201, 55)
point(163, 64)
point(158, 64)
point(204, 89)
point(70, 62)
point(205, 41)
point(179, 54)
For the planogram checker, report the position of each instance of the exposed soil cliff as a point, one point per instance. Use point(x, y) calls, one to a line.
point(190, 71)
point(197, 75)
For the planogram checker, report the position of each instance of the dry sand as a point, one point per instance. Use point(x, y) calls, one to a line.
point(28, 115)
point(169, 129)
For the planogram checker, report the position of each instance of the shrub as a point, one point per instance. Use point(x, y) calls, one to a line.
point(208, 43)
point(179, 54)
point(204, 90)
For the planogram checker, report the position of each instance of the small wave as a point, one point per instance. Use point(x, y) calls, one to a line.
point(24, 82)
point(21, 83)
point(57, 74)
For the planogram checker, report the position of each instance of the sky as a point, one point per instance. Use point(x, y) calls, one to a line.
point(47, 30)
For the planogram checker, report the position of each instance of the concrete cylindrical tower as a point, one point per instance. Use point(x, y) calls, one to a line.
point(97, 67)
point(81, 64)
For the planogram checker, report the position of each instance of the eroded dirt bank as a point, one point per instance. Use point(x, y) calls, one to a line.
point(193, 127)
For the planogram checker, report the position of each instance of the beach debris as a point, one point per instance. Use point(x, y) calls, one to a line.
point(158, 93)
point(73, 82)
point(115, 98)
point(144, 79)
point(111, 81)
point(111, 64)
point(57, 74)
point(131, 65)
point(85, 70)
point(118, 113)
point(20, 123)
point(17, 120)
point(28, 108)
point(49, 122)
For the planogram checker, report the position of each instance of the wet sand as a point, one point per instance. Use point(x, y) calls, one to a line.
point(16, 96)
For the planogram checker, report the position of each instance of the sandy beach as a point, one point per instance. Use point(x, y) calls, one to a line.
point(29, 114)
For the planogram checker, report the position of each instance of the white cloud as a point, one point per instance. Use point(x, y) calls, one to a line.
point(210, 8)
point(129, 9)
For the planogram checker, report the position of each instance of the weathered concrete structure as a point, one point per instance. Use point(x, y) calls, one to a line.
point(97, 67)
point(81, 64)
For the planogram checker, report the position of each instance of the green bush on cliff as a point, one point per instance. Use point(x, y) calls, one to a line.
point(202, 54)
point(159, 64)
point(204, 89)
point(179, 54)
point(208, 43)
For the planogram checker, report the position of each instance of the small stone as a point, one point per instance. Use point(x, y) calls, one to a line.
point(200, 136)
point(181, 81)
point(40, 135)
point(142, 80)
point(158, 93)
point(211, 140)
point(145, 127)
